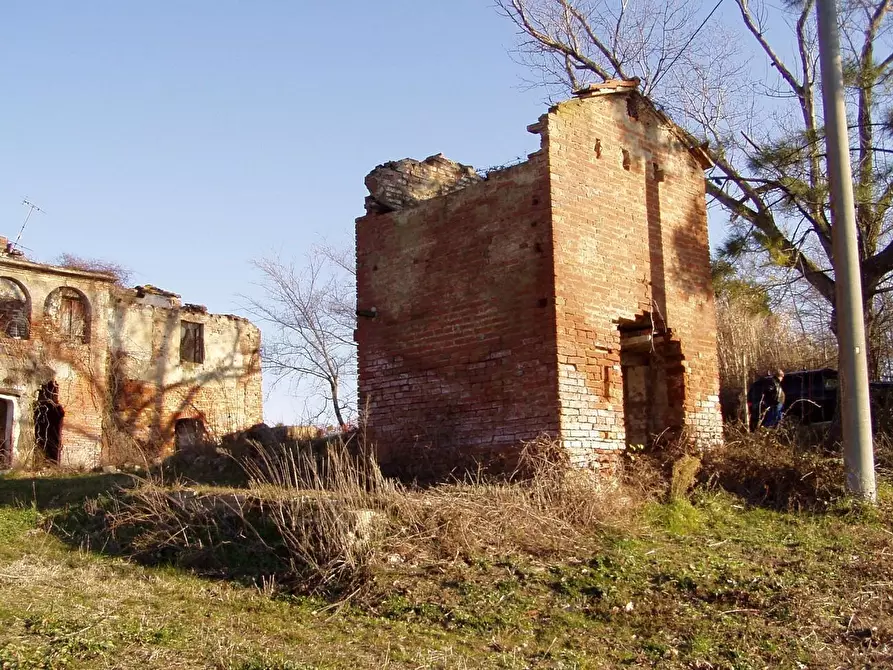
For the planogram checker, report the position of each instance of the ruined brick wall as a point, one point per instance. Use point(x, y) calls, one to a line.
point(405, 183)
point(120, 361)
point(569, 295)
point(156, 388)
point(458, 363)
point(632, 277)
point(46, 356)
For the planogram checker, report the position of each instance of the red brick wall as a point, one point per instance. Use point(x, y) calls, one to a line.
point(459, 362)
point(569, 295)
point(631, 250)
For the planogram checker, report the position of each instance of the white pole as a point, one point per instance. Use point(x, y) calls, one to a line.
point(855, 411)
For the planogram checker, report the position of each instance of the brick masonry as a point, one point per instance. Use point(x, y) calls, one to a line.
point(125, 381)
point(569, 295)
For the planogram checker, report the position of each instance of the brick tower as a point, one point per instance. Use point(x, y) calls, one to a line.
point(568, 295)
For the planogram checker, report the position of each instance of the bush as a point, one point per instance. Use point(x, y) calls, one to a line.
point(322, 522)
point(772, 468)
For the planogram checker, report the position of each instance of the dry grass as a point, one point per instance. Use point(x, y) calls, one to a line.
point(773, 468)
point(547, 571)
point(323, 523)
point(326, 522)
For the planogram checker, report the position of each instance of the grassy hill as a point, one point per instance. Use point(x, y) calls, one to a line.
point(711, 579)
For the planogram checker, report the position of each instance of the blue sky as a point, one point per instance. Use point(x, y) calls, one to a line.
point(183, 139)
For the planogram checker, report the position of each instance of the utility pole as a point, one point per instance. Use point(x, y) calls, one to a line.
point(858, 448)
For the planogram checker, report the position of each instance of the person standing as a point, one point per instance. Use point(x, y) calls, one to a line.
point(766, 400)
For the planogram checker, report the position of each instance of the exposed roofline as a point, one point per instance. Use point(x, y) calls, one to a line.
point(21, 264)
point(614, 86)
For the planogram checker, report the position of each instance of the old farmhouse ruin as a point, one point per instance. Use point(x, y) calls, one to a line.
point(568, 295)
point(89, 368)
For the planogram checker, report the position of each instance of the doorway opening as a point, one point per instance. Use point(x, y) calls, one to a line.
point(48, 416)
point(653, 381)
point(189, 433)
point(7, 418)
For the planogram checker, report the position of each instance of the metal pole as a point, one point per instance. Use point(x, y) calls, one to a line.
point(858, 450)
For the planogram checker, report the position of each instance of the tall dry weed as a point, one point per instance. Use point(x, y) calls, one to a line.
point(325, 522)
point(327, 508)
point(775, 468)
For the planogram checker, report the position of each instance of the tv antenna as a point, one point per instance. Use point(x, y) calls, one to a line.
point(31, 209)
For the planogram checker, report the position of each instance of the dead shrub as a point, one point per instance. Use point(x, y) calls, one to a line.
point(208, 463)
point(883, 453)
point(120, 273)
point(326, 507)
point(771, 468)
point(545, 507)
point(214, 534)
point(324, 521)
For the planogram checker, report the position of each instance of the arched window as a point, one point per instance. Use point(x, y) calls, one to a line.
point(15, 309)
point(69, 313)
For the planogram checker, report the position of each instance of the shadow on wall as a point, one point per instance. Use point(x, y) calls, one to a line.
point(170, 404)
point(45, 423)
point(684, 254)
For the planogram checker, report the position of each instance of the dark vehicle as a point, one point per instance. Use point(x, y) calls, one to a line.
point(811, 397)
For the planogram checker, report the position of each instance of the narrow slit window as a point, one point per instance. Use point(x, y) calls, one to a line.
point(192, 342)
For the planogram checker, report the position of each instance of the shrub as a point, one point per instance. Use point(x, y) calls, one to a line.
point(773, 468)
point(322, 522)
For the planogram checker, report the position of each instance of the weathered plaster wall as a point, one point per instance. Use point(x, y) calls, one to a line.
point(129, 370)
point(78, 368)
point(157, 389)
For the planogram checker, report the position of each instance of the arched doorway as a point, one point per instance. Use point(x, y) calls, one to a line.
point(48, 415)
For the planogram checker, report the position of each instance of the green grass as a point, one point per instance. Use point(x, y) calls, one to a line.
point(704, 584)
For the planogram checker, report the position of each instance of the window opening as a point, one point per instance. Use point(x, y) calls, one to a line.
point(189, 433)
point(69, 314)
point(192, 342)
point(15, 315)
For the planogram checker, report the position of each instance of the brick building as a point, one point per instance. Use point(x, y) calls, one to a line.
point(568, 295)
point(90, 369)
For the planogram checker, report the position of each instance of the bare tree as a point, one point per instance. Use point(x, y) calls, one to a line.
point(763, 119)
point(311, 314)
point(753, 337)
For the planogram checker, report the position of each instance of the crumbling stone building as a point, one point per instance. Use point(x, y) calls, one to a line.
point(568, 295)
point(91, 371)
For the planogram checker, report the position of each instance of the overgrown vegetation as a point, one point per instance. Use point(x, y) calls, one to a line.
point(321, 522)
point(752, 339)
point(121, 274)
point(318, 562)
